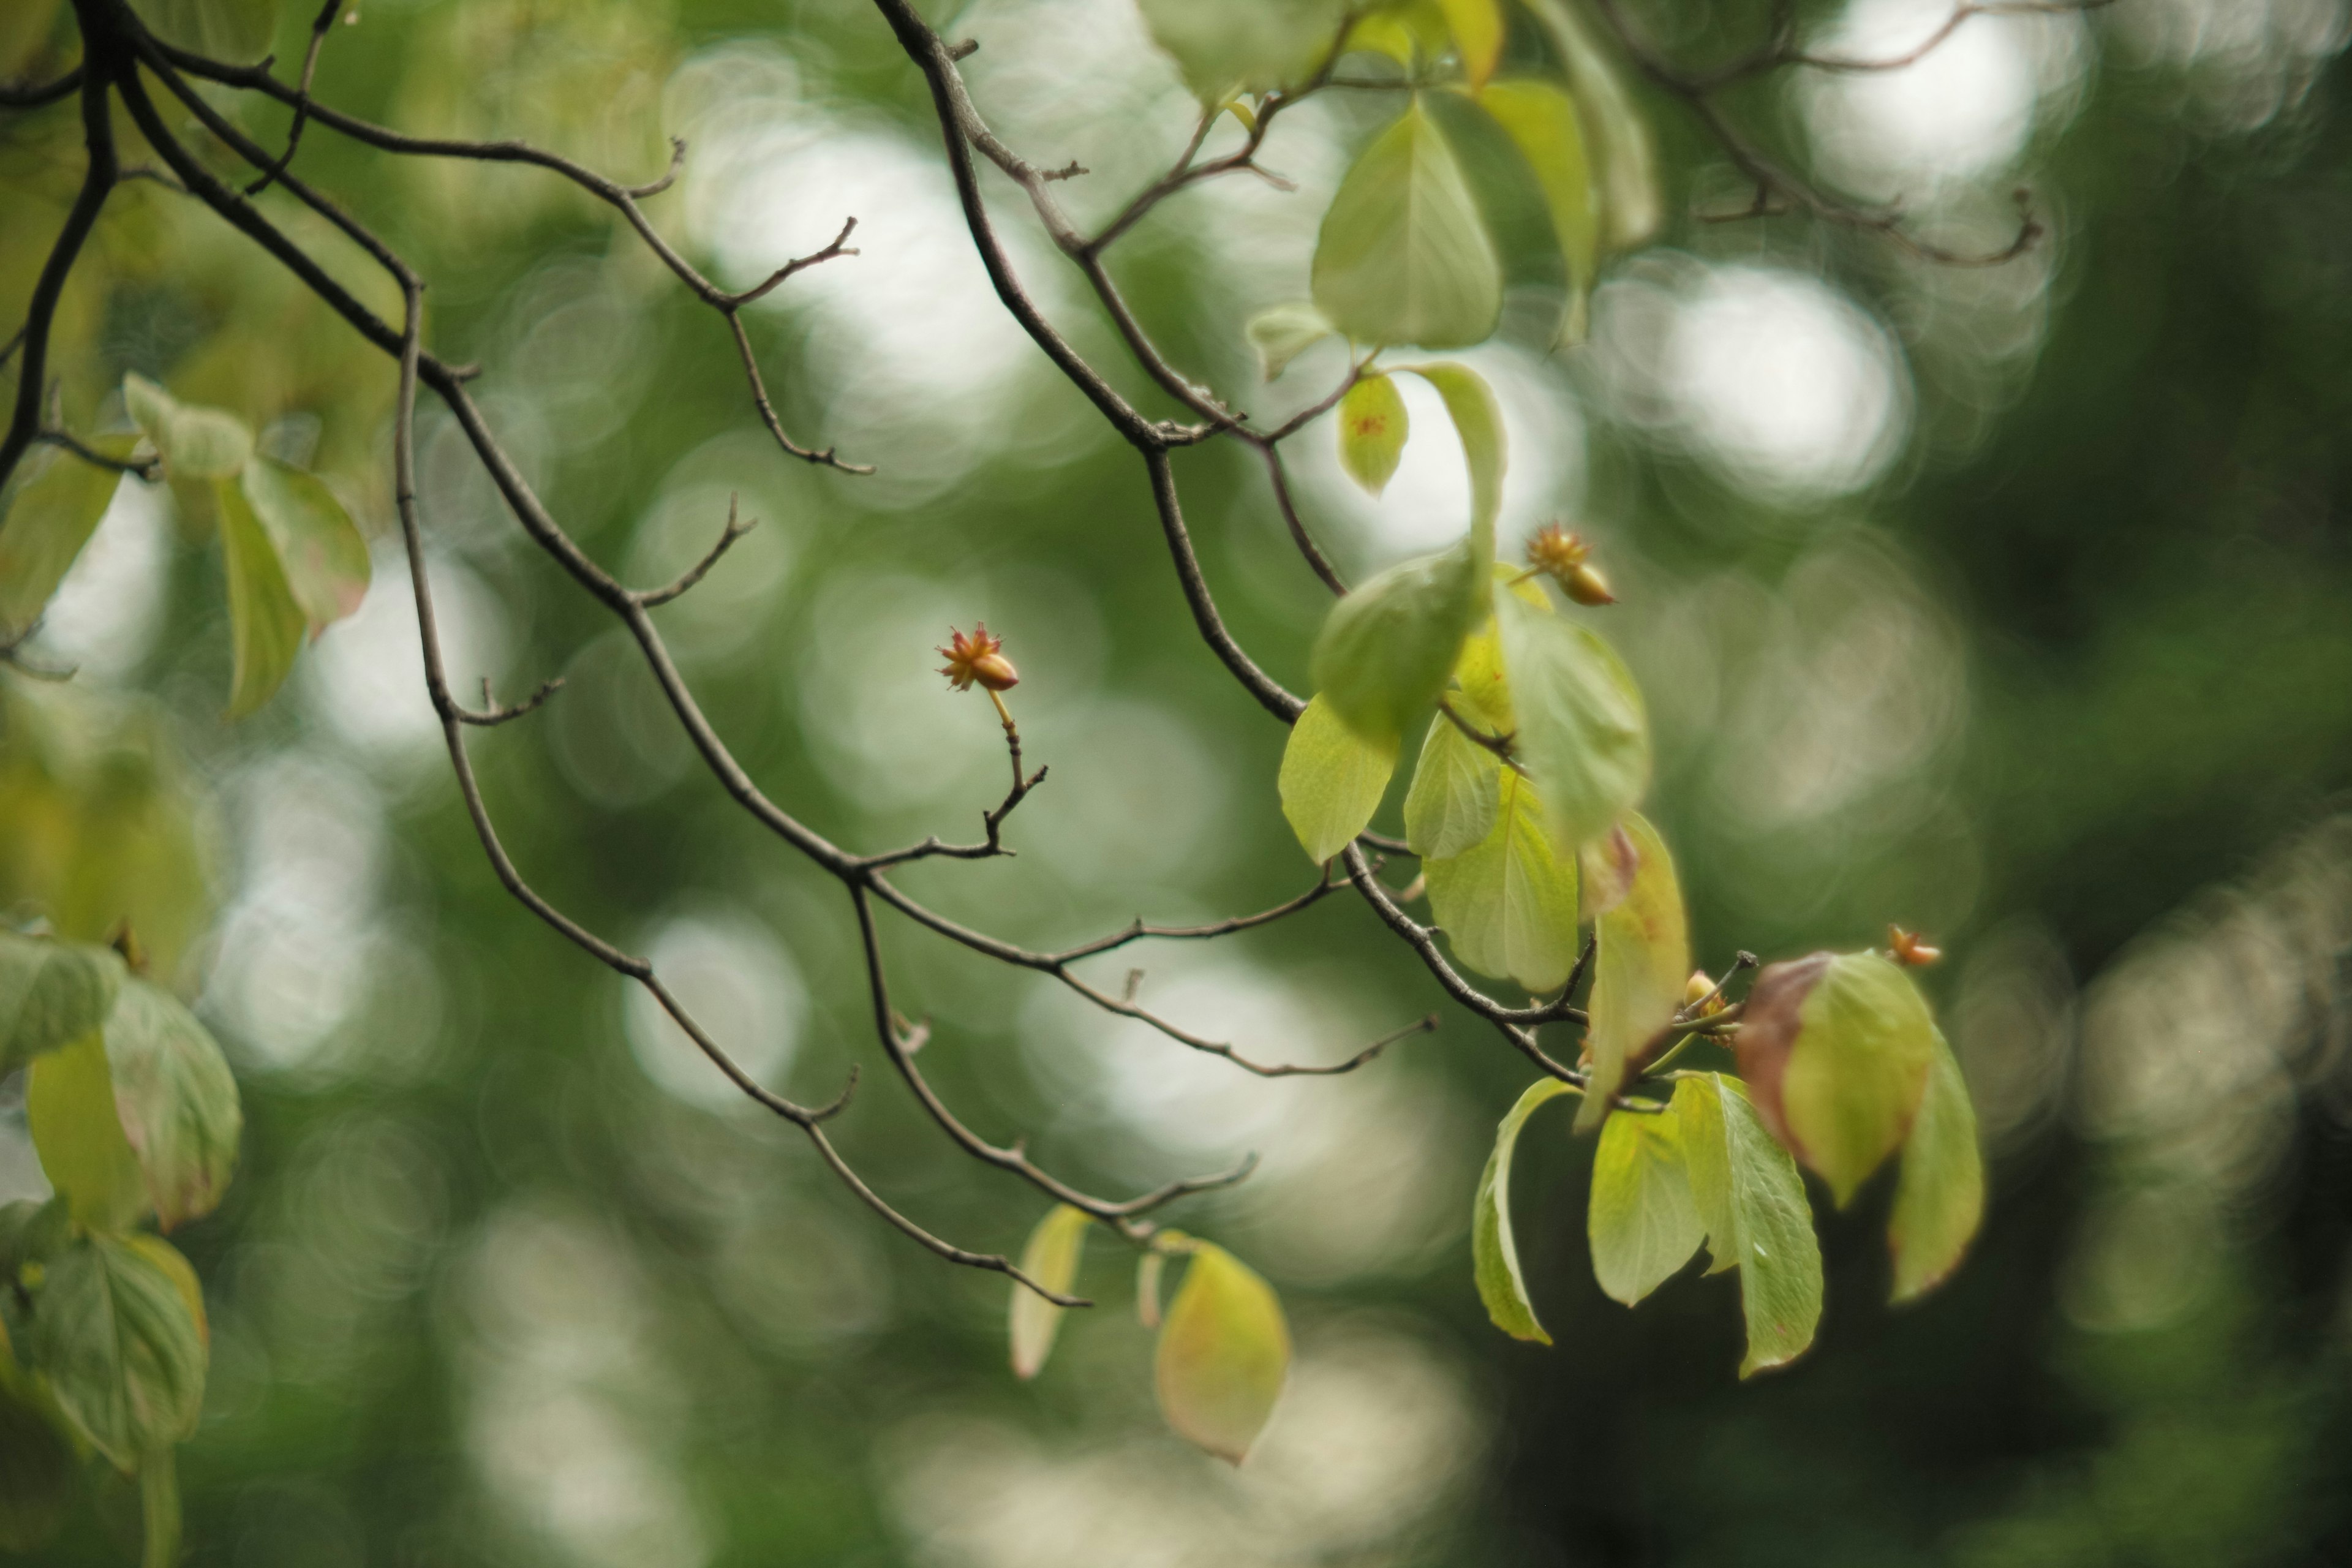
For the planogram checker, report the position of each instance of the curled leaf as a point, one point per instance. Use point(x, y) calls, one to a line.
point(1939, 1196)
point(1494, 1255)
point(1051, 1258)
point(1224, 1352)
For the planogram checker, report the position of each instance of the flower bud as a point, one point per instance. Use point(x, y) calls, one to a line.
point(1586, 585)
point(1906, 948)
point(1701, 990)
point(1564, 558)
point(978, 658)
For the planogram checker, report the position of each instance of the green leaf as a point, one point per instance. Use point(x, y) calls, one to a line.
point(195, 443)
point(1582, 732)
point(46, 518)
point(50, 992)
point(1642, 1221)
point(78, 1132)
point(1051, 1258)
point(1332, 781)
point(1752, 1202)
point(123, 1354)
point(1404, 255)
point(1641, 964)
point(266, 626)
point(1541, 121)
point(1228, 46)
point(1477, 30)
point(1508, 905)
point(1478, 419)
point(1223, 1352)
point(159, 1509)
point(176, 1099)
point(1939, 1197)
point(1283, 332)
point(239, 31)
point(319, 547)
point(1386, 649)
point(1616, 138)
point(1373, 430)
point(32, 1232)
point(1458, 787)
point(1836, 1049)
point(1495, 1255)
point(36, 1475)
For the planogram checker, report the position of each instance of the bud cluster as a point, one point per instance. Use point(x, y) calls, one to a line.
point(1564, 557)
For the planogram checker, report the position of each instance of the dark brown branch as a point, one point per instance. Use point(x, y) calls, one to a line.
point(1782, 52)
point(34, 95)
point(1269, 693)
point(1317, 561)
point(493, 713)
point(1139, 931)
point(320, 26)
point(148, 468)
point(702, 569)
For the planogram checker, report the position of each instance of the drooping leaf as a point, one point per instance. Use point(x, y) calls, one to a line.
point(1643, 1221)
point(1641, 964)
point(1478, 420)
point(36, 1476)
point(265, 625)
point(320, 549)
point(1228, 46)
point(46, 518)
point(1283, 332)
point(1617, 140)
point(1582, 732)
point(1386, 649)
point(1404, 255)
point(1752, 1203)
point(239, 31)
point(1457, 787)
point(1508, 904)
point(1836, 1049)
point(1051, 1258)
point(1495, 1254)
point(1224, 1352)
point(1541, 121)
point(51, 992)
point(177, 1100)
point(195, 443)
point(123, 1354)
point(1477, 30)
point(1332, 780)
point(78, 1133)
point(1372, 431)
point(1939, 1196)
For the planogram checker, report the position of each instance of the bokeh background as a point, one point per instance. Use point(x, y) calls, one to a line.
point(2009, 604)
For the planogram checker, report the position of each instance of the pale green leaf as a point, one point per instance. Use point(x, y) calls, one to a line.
point(1836, 1048)
point(177, 1100)
point(1541, 121)
point(239, 31)
point(1458, 787)
point(266, 626)
point(1386, 649)
point(1478, 419)
point(1508, 904)
point(1641, 964)
point(47, 516)
point(77, 1130)
point(51, 992)
point(1051, 1258)
point(1751, 1202)
point(1224, 1352)
point(1228, 46)
point(1494, 1255)
point(1939, 1196)
point(124, 1356)
point(1618, 143)
point(1404, 255)
point(319, 547)
point(1641, 1220)
point(195, 443)
point(1283, 332)
point(1477, 30)
point(1332, 781)
point(1582, 732)
point(1481, 694)
point(1372, 431)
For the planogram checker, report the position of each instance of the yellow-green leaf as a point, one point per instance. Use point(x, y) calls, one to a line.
point(1477, 30)
point(195, 443)
point(177, 1100)
point(1617, 139)
point(123, 1355)
point(1478, 420)
point(1051, 1258)
point(48, 513)
point(239, 31)
point(1332, 781)
point(1641, 1220)
point(1228, 46)
point(1582, 732)
point(1404, 255)
point(51, 992)
point(1283, 332)
point(1224, 1352)
point(1373, 430)
point(1386, 649)
point(1641, 964)
point(1541, 121)
point(1494, 1254)
point(1458, 787)
point(319, 550)
point(1939, 1196)
point(265, 625)
point(1508, 904)
point(1751, 1202)
point(70, 1107)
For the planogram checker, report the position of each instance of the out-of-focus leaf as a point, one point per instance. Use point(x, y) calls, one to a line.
point(195, 443)
point(237, 30)
point(78, 1133)
point(1582, 732)
point(1541, 122)
point(1477, 30)
point(1641, 964)
point(1458, 787)
point(36, 1476)
point(319, 550)
point(1372, 431)
point(46, 518)
point(1404, 255)
point(1386, 649)
point(1283, 332)
point(1223, 1352)
point(265, 625)
point(123, 1354)
point(50, 992)
point(1939, 1196)
point(1616, 138)
point(1332, 780)
point(1147, 1288)
point(1478, 419)
point(1508, 905)
point(1051, 1258)
point(1752, 1202)
point(1228, 46)
point(177, 1100)
point(1836, 1049)
point(32, 1232)
point(1604, 872)
point(1494, 1254)
point(1641, 1220)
